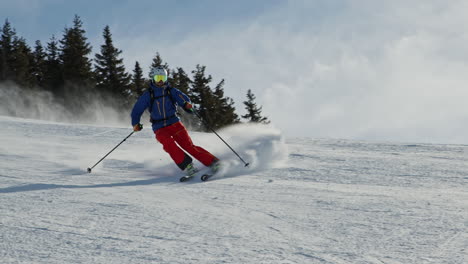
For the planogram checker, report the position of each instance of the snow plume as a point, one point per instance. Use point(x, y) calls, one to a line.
point(262, 146)
point(77, 107)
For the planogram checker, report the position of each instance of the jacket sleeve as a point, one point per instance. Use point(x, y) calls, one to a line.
point(179, 97)
point(140, 106)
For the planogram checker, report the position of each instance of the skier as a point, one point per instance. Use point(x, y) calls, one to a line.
point(161, 100)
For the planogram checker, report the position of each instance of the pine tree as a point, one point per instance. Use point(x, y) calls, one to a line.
point(158, 62)
point(202, 96)
point(21, 64)
point(181, 80)
point(253, 112)
point(223, 111)
point(138, 81)
point(76, 66)
point(216, 110)
point(6, 56)
point(53, 79)
point(39, 66)
point(110, 70)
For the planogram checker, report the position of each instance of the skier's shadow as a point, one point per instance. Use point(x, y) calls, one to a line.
point(42, 186)
point(152, 179)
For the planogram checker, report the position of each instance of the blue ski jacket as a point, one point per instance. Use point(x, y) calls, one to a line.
point(163, 110)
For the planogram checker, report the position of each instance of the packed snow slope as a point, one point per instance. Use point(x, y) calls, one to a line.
point(300, 201)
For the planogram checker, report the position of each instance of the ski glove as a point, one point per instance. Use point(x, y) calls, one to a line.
point(188, 107)
point(137, 127)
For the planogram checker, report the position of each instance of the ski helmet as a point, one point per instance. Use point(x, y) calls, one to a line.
point(158, 74)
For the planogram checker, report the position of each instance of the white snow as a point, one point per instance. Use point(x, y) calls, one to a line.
point(301, 200)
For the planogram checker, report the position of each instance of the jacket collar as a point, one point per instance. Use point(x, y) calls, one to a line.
point(154, 87)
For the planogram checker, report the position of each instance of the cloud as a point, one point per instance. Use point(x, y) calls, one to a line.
point(364, 70)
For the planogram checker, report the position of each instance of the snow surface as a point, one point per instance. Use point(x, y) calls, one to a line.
point(301, 201)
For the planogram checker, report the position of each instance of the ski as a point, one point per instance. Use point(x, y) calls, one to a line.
point(185, 178)
point(205, 177)
point(205, 173)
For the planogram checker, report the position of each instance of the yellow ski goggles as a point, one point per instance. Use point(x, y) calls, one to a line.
point(158, 78)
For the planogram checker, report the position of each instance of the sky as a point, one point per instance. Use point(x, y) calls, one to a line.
point(352, 69)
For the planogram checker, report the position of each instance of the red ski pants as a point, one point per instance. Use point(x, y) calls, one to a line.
point(177, 133)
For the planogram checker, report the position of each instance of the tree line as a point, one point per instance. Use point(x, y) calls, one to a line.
point(63, 68)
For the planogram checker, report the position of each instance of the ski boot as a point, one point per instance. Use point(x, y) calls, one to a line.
point(214, 167)
point(190, 171)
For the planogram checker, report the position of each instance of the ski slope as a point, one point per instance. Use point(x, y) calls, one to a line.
point(301, 201)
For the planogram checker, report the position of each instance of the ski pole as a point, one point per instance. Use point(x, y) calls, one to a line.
point(204, 122)
point(89, 169)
